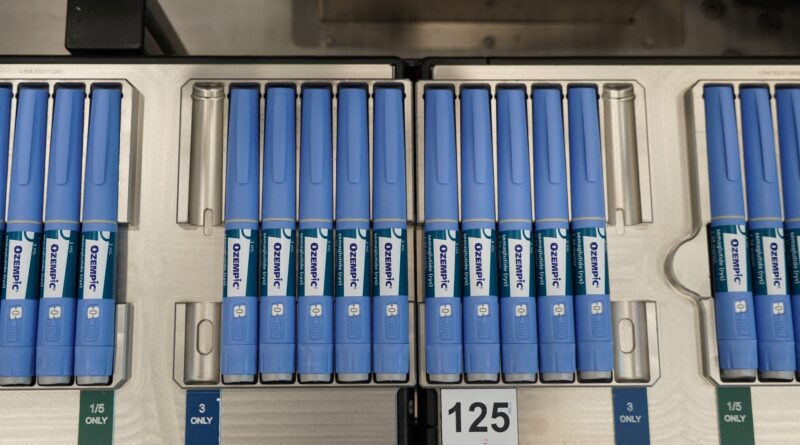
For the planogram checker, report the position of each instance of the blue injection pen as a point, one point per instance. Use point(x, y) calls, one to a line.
point(353, 337)
point(520, 351)
point(6, 94)
point(788, 99)
point(20, 297)
point(239, 339)
point(589, 256)
point(278, 214)
point(390, 259)
point(730, 269)
point(774, 326)
point(480, 305)
point(553, 269)
point(315, 293)
point(443, 336)
point(55, 339)
point(96, 307)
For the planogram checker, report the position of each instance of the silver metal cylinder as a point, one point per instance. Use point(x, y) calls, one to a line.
point(207, 155)
point(201, 337)
point(622, 159)
point(631, 350)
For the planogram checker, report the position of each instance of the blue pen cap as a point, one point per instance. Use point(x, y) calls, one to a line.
point(513, 159)
point(441, 180)
point(724, 168)
point(5, 124)
point(788, 99)
point(66, 155)
point(241, 182)
point(477, 165)
point(763, 188)
point(27, 168)
point(101, 181)
point(586, 161)
point(352, 157)
point(280, 182)
point(549, 159)
point(389, 158)
point(316, 156)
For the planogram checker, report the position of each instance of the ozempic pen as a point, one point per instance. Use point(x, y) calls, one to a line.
point(593, 329)
point(774, 324)
point(239, 339)
point(443, 335)
point(353, 323)
point(520, 351)
point(315, 293)
point(20, 297)
point(730, 268)
point(553, 269)
point(55, 339)
point(390, 252)
point(97, 287)
point(788, 99)
point(278, 213)
point(480, 306)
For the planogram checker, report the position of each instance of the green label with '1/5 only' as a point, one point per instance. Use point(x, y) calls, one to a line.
point(441, 255)
point(277, 262)
point(768, 262)
point(59, 264)
point(553, 274)
point(240, 277)
point(480, 269)
point(316, 263)
point(389, 262)
point(99, 268)
point(352, 263)
point(793, 243)
point(590, 260)
point(22, 259)
point(729, 258)
point(516, 263)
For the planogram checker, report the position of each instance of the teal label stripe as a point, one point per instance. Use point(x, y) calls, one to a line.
point(480, 262)
point(768, 262)
point(240, 277)
point(60, 264)
point(98, 271)
point(441, 258)
point(352, 263)
point(316, 262)
point(278, 262)
point(20, 276)
point(729, 263)
point(793, 260)
point(590, 261)
point(516, 264)
point(389, 262)
point(553, 263)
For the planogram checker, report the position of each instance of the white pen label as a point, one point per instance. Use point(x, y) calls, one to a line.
point(553, 274)
point(480, 263)
point(589, 261)
point(277, 263)
point(59, 264)
point(389, 262)
point(22, 258)
point(98, 265)
point(241, 263)
point(729, 263)
point(793, 260)
point(352, 263)
point(441, 247)
point(516, 263)
point(316, 263)
point(768, 262)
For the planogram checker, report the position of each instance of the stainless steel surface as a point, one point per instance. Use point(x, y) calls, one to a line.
point(628, 179)
point(632, 352)
point(457, 82)
point(206, 157)
point(201, 337)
